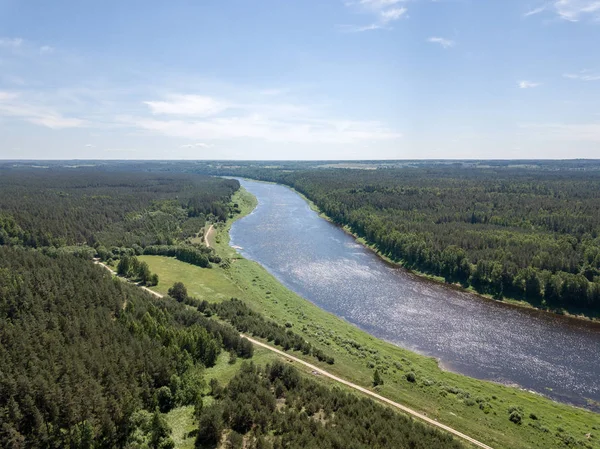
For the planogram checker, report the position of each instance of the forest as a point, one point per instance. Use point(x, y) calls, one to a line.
point(89, 361)
point(108, 209)
point(276, 408)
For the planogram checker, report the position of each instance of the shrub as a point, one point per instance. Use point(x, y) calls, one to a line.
point(411, 377)
point(178, 292)
point(164, 399)
point(486, 407)
point(210, 426)
point(516, 417)
point(377, 380)
point(235, 440)
point(232, 357)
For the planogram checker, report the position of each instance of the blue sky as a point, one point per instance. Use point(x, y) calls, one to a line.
point(299, 79)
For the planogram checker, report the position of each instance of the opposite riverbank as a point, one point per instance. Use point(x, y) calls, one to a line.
point(512, 302)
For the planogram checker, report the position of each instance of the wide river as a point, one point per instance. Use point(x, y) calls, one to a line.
point(549, 354)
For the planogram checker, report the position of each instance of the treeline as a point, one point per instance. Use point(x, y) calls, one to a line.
point(131, 268)
point(59, 206)
point(85, 359)
point(277, 408)
point(516, 234)
point(196, 255)
point(246, 320)
point(531, 234)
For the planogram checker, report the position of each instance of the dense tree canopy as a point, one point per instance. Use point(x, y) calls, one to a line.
point(81, 354)
point(246, 320)
point(278, 408)
point(56, 207)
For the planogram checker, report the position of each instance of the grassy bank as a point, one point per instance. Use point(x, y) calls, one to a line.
point(477, 408)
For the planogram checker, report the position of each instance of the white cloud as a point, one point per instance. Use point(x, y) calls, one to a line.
point(46, 49)
point(241, 116)
point(570, 10)
point(274, 122)
point(187, 105)
point(527, 84)
point(197, 145)
point(11, 42)
point(270, 130)
point(89, 145)
point(535, 11)
point(12, 105)
point(584, 75)
point(574, 10)
point(379, 4)
point(446, 43)
point(391, 15)
point(384, 12)
point(359, 28)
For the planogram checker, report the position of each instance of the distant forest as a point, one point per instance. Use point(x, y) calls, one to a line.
point(58, 207)
point(527, 230)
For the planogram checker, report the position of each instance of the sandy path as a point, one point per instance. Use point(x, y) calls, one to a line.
point(321, 371)
point(207, 234)
point(372, 394)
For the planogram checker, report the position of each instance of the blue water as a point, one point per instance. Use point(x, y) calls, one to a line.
point(552, 355)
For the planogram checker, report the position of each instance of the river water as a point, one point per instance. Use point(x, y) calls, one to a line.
point(552, 355)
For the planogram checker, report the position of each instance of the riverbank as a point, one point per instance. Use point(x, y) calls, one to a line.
point(512, 302)
point(477, 408)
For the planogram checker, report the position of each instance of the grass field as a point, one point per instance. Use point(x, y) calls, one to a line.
point(477, 408)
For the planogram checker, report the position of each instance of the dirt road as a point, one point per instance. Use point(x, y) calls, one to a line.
point(366, 391)
point(211, 229)
point(372, 394)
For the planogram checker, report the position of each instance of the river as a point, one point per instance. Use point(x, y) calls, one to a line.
point(549, 354)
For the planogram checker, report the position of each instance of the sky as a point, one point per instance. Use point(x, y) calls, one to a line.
point(300, 79)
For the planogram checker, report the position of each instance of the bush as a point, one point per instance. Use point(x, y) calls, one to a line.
point(470, 402)
point(235, 440)
point(232, 357)
point(377, 380)
point(164, 398)
point(178, 292)
point(153, 280)
point(211, 426)
point(411, 377)
point(516, 417)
